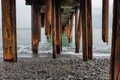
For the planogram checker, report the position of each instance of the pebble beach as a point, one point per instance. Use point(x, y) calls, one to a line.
point(65, 67)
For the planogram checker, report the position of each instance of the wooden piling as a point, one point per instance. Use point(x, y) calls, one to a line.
point(89, 28)
point(60, 30)
point(54, 27)
point(115, 52)
point(58, 27)
point(71, 27)
point(69, 30)
point(105, 20)
point(48, 17)
point(35, 27)
point(84, 30)
point(42, 19)
point(79, 30)
point(76, 29)
point(9, 30)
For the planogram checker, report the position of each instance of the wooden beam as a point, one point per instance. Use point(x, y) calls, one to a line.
point(115, 52)
point(105, 18)
point(9, 30)
point(89, 26)
point(48, 17)
point(58, 27)
point(36, 19)
point(54, 27)
point(76, 28)
point(84, 30)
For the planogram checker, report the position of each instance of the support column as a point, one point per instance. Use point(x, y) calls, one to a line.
point(76, 29)
point(115, 52)
point(9, 30)
point(58, 27)
point(36, 19)
point(79, 31)
point(71, 27)
point(54, 27)
point(60, 31)
point(89, 26)
point(84, 30)
point(105, 20)
point(42, 19)
point(48, 17)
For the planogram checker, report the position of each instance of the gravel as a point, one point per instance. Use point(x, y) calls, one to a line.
point(65, 67)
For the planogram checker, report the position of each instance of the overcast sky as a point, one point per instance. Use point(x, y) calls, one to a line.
point(24, 13)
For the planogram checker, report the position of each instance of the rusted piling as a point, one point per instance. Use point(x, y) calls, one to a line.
point(58, 27)
point(89, 28)
point(84, 30)
point(54, 27)
point(48, 17)
point(115, 53)
point(9, 30)
point(76, 28)
point(105, 18)
point(35, 27)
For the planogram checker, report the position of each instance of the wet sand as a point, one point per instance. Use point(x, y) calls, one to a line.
point(65, 67)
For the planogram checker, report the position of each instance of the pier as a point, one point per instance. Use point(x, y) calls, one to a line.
point(57, 17)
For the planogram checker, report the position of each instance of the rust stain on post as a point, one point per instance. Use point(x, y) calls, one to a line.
point(89, 26)
point(105, 18)
point(35, 27)
point(9, 30)
point(115, 52)
point(48, 17)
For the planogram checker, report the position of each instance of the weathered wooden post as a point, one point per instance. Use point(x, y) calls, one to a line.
point(79, 30)
point(9, 30)
point(71, 27)
point(69, 30)
point(105, 18)
point(89, 26)
point(84, 30)
point(58, 27)
point(115, 53)
point(48, 17)
point(76, 28)
point(36, 19)
point(42, 19)
point(54, 27)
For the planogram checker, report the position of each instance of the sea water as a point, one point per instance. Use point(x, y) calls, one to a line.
point(45, 46)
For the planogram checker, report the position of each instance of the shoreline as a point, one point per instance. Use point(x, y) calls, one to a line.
point(45, 54)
